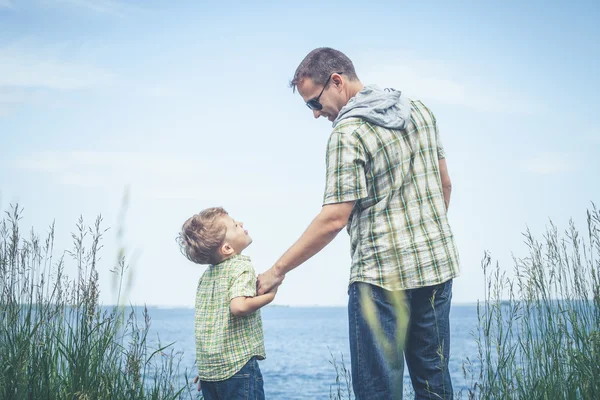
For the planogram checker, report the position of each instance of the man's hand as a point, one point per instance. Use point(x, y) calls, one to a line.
point(267, 281)
point(197, 380)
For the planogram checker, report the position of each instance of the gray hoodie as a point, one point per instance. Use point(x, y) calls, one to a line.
point(386, 108)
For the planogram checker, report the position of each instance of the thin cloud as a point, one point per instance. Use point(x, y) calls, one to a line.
point(57, 162)
point(151, 175)
point(551, 163)
point(11, 97)
point(435, 81)
point(110, 170)
point(27, 66)
point(109, 7)
point(30, 73)
point(6, 4)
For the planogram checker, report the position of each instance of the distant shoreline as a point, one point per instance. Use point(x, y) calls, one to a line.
point(184, 307)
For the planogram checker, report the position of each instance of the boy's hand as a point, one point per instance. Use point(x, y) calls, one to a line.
point(272, 293)
point(274, 290)
point(197, 380)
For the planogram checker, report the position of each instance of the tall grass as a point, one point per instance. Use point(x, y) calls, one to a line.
point(342, 389)
point(57, 341)
point(538, 335)
point(538, 332)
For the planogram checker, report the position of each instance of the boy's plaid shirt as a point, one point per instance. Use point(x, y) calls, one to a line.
point(224, 343)
point(399, 233)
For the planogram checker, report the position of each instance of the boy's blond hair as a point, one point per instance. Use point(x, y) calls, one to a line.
point(202, 235)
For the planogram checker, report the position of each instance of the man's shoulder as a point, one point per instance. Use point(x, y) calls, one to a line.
point(420, 112)
point(352, 129)
point(349, 125)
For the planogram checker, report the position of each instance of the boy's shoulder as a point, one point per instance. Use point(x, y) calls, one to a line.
point(240, 264)
point(237, 261)
point(231, 267)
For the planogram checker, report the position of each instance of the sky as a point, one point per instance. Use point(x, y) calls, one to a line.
point(179, 106)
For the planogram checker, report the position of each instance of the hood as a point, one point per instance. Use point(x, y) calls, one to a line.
point(386, 108)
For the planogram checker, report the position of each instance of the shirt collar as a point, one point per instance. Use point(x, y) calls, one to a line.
point(235, 257)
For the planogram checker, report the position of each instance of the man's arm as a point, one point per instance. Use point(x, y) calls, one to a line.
point(240, 306)
point(322, 230)
point(446, 183)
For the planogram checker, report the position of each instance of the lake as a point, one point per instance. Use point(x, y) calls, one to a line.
point(299, 342)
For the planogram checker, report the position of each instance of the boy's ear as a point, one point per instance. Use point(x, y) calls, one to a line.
point(226, 250)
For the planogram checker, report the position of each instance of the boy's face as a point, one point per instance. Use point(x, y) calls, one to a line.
point(236, 238)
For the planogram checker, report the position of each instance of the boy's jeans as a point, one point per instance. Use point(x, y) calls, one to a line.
point(375, 376)
point(247, 383)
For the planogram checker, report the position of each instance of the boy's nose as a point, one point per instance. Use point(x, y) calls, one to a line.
point(241, 224)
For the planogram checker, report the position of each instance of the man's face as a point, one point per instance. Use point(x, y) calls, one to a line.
point(236, 237)
point(331, 98)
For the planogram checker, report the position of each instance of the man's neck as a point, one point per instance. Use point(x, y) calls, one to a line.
point(354, 87)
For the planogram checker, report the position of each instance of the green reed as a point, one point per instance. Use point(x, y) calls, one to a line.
point(538, 335)
point(57, 341)
point(342, 389)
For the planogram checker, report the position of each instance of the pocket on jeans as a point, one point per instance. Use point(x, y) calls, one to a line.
point(241, 374)
point(240, 386)
point(443, 291)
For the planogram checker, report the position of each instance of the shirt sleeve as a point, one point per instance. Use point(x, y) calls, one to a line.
point(243, 282)
point(345, 178)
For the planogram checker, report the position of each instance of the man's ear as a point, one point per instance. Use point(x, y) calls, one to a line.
point(337, 80)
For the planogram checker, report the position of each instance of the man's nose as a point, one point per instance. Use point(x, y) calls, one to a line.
point(316, 113)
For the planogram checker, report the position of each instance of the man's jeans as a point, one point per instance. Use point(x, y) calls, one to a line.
point(247, 383)
point(377, 375)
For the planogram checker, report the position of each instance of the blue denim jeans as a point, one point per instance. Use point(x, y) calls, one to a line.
point(378, 375)
point(246, 384)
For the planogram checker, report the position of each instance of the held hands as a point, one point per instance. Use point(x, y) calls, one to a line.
point(268, 281)
point(272, 293)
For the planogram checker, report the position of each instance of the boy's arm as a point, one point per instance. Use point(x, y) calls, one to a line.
point(241, 306)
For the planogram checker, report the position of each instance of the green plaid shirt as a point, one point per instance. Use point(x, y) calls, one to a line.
point(399, 233)
point(224, 343)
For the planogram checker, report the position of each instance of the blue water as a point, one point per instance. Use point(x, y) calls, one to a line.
point(299, 343)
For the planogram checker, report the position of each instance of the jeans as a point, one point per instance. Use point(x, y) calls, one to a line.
point(377, 373)
point(246, 384)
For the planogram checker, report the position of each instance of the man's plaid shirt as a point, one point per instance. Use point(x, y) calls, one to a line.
point(399, 233)
point(224, 343)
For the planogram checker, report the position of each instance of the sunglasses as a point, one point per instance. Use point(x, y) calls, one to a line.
point(313, 103)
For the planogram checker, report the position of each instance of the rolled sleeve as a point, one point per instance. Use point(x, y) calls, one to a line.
point(243, 283)
point(345, 166)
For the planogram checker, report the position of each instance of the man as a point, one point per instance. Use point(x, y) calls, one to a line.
point(388, 182)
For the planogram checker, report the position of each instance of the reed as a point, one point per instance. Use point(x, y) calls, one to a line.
point(538, 332)
point(538, 335)
point(57, 341)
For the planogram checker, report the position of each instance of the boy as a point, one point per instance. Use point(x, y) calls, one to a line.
point(229, 335)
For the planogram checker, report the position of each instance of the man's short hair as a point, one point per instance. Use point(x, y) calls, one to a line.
point(202, 235)
point(320, 63)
